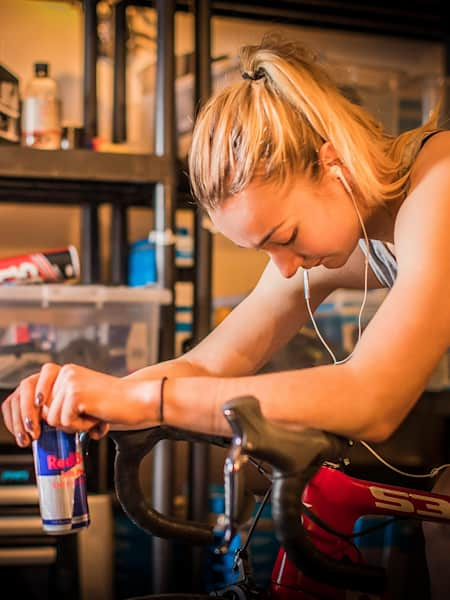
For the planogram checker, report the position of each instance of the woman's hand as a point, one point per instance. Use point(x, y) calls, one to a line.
point(22, 409)
point(74, 398)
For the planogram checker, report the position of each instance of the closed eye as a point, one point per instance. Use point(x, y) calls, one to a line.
point(291, 240)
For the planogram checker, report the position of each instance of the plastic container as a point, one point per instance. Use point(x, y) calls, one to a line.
point(9, 107)
point(41, 111)
point(142, 263)
point(337, 317)
point(110, 329)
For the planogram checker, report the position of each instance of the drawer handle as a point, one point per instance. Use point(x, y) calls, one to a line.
point(21, 526)
point(44, 555)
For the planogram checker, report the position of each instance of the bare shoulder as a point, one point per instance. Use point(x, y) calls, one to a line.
point(424, 216)
point(422, 242)
point(434, 156)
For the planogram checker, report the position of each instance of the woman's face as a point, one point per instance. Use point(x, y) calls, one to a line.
point(301, 224)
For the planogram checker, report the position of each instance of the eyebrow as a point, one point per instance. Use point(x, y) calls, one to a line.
point(268, 235)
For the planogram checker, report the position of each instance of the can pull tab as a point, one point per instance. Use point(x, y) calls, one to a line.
point(84, 442)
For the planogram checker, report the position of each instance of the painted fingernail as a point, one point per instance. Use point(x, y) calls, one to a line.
point(28, 424)
point(39, 399)
point(21, 439)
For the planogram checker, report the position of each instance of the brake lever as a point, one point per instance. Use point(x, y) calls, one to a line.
point(295, 457)
point(234, 492)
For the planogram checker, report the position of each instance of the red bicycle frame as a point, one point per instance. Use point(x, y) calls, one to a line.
point(318, 540)
point(340, 500)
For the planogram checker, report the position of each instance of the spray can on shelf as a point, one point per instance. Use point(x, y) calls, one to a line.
point(61, 481)
point(41, 110)
point(55, 265)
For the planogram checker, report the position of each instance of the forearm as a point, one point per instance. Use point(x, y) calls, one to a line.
point(328, 397)
point(178, 367)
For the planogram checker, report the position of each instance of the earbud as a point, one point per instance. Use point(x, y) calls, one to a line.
point(337, 172)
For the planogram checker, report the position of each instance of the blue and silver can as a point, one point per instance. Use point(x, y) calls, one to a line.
point(61, 481)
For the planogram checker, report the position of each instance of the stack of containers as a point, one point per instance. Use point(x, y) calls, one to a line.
point(142, 271)
point(337, 319)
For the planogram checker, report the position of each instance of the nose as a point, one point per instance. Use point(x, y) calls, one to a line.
point(287, 261)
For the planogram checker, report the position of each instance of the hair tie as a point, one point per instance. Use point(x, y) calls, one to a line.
point(258, 74)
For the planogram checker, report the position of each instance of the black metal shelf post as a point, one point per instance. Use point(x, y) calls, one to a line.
point(164, 203)
point(198, 452)
point(90, 248)
point(119, 214)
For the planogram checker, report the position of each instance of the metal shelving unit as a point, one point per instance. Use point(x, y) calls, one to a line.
point(88, 179)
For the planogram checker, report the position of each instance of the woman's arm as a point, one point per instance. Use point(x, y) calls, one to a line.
point(79, 398)
point(371, 394)
point(261, 324)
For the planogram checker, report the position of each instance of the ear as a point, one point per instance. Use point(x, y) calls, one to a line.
point(328, 156)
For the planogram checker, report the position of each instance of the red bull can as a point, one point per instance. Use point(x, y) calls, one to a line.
point(61, 481)
point(51, 266)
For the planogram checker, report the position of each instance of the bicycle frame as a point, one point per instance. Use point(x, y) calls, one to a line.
point(323, 564)
point(340, 500)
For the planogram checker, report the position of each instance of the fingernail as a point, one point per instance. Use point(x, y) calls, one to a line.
point(21, 439)
point(39, 399)
point(28, 424)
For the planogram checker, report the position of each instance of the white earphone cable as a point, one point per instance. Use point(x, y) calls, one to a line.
point(366, 274)
point(348, 189)
point(432, 473)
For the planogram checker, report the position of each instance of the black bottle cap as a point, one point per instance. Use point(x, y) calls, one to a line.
point(41, 69)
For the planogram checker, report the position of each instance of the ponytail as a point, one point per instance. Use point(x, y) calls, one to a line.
point(271, 124)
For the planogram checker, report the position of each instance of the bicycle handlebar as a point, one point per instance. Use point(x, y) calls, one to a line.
point(295, 457)
point(131, 448)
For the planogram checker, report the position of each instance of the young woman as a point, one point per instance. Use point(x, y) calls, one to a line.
point(283, 162)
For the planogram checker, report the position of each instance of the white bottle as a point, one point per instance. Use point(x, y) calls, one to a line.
point(41, 111)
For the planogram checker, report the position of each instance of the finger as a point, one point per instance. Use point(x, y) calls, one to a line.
point(51, 409)
point(47, 377)
point(28, 409)
point(7, 413)
point(99, 431)
point(65, 407)
point(22, 438)
point(56, 395)
point(63, 411)
point(72, 418)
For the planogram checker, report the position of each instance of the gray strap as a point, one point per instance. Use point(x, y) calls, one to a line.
point(382, 261)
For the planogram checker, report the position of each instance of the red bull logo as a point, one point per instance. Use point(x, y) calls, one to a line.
point(54, 462)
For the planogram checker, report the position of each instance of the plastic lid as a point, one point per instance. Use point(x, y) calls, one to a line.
point(41, 69)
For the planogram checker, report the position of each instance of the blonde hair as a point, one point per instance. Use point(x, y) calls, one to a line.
point(270, 125)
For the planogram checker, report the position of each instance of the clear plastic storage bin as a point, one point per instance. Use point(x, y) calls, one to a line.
point(337, 319)
point(109, 329)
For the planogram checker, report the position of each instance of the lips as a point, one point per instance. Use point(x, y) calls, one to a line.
point(312, 265)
